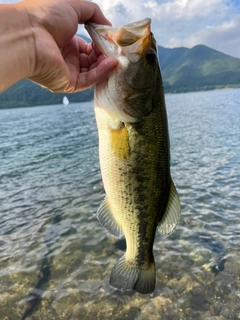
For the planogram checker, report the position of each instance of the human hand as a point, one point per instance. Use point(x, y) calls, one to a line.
point(63, 62)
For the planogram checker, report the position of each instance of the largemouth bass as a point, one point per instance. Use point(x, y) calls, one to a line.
point(134, 151)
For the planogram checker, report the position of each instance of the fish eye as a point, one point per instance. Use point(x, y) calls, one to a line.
point(151, 56)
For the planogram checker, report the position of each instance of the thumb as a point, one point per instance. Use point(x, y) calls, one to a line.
point(88, 11)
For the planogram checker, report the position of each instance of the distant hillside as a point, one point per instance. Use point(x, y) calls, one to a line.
point(199, 68)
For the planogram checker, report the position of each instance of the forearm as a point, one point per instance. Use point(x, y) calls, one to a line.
point(16, 44)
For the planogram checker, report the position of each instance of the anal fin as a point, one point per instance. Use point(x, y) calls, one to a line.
point(171, 216)
point(106, 219)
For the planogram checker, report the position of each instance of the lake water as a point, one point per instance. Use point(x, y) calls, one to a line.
point(55, 258)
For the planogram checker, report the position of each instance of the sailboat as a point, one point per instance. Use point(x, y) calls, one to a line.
point(65, 100)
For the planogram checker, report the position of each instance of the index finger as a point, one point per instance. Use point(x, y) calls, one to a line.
point(100, 72)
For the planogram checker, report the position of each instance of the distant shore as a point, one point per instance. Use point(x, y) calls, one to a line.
point(91, 99)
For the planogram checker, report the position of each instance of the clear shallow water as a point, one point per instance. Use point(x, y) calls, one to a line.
point(55, 259)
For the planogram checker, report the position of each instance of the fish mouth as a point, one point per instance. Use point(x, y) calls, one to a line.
point(114, 41)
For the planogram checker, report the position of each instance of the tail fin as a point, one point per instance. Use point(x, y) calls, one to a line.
point(125, 277)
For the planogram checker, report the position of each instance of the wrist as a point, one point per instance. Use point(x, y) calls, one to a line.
point(16, 44)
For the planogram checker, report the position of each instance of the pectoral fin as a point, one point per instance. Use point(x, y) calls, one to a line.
point(171, 216)
point(106, 219)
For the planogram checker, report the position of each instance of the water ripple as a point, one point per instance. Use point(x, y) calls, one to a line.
point(52, 249)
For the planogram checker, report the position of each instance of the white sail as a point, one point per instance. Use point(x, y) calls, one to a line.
point(65, 100)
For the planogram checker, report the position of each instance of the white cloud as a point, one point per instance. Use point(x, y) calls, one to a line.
point(187, 9)
point(224, 37)
point(169, 12)
point(121, 11)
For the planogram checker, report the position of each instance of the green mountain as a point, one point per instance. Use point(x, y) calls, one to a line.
point(199, 68)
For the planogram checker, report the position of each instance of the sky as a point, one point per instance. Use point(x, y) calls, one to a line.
point(181, 23)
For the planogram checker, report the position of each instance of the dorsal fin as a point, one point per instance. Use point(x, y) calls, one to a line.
point(171, 216)
point(107, 220)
